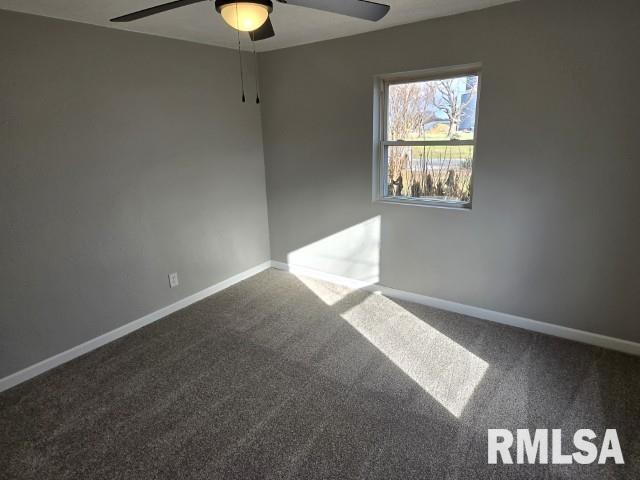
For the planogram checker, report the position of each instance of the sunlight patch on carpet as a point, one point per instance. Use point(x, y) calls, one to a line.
point(443, 368)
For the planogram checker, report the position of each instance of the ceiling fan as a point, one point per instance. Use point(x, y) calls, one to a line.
point(252, 16)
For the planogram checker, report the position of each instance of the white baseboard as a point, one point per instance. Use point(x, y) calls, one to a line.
point(581, 336)
point(498, 317)
point(60, 358)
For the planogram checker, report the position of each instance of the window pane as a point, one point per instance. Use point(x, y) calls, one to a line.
point(429, 172)
point(433, 110)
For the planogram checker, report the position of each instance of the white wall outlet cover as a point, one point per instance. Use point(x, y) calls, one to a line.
point(173, 280)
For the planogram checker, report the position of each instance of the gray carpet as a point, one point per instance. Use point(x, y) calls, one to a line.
point(283, 377)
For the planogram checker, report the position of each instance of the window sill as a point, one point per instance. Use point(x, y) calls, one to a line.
point(448, 204)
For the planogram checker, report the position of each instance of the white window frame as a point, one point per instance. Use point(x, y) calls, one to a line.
point(380, 132)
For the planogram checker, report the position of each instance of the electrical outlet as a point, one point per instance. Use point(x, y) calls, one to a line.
point(173, 280)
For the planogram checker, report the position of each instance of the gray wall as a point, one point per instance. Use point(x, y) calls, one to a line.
point(124, 157)
point(554, 230)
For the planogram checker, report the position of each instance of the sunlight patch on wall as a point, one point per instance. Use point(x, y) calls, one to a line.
point(353, 252)
point(443, 368)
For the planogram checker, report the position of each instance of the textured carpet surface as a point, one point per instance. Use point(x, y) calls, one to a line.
point(287, 377)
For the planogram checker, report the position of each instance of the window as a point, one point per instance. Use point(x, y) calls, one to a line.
point(425, 137)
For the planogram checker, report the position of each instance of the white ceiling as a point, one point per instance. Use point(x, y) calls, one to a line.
point(201, 23)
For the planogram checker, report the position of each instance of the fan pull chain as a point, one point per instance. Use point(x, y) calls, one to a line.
point(255, 60)
point(240, 56)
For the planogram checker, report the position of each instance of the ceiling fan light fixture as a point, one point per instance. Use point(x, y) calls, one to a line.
point(245, 16)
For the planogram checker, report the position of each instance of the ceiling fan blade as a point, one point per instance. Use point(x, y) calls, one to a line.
point(153, 10)
point(353, 8)
point(263, 32)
